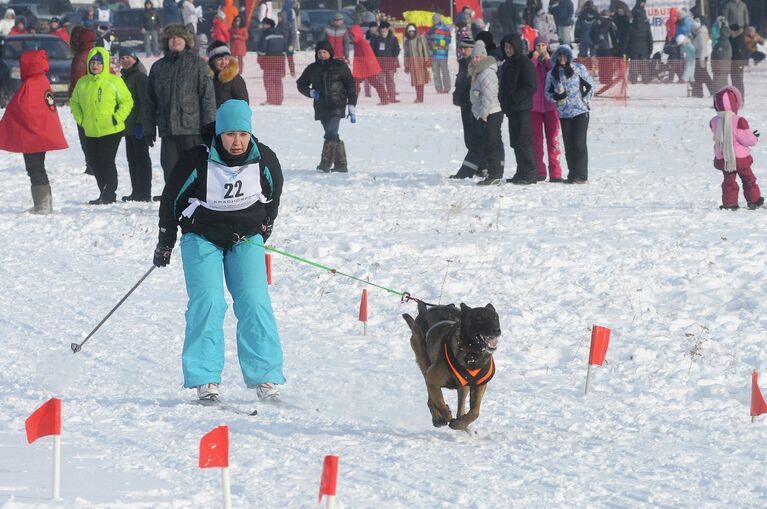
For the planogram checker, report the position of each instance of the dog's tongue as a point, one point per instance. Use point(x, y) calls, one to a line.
point(492, 343)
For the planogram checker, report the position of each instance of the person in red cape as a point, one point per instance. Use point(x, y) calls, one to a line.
point(31, 126)
point(365, 65)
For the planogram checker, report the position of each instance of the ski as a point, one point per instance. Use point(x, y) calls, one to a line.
point(216, 402)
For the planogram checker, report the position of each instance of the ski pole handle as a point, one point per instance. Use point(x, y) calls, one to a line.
point(76, 347)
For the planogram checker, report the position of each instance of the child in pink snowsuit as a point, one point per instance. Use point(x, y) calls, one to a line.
point(544, 116)
point(732, 155)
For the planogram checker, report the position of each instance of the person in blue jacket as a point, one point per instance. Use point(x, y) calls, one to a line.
point(225, 200)
point(439, 41)
point(570, 85)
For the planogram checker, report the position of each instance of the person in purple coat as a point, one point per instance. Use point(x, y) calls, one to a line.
point(543, 116)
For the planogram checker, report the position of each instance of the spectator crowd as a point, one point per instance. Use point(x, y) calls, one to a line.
point(540, 76)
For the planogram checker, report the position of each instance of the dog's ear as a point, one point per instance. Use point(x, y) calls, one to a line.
point(490, 307)
point(409, 319)
point(465, 308)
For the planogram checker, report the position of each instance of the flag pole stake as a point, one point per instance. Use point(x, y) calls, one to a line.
point(588, 378)
point(56, 467)
point(330, 502)
point(227, 488)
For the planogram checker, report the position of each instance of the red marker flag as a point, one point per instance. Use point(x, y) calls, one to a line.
point(214, 448)
point(45, 421)
point(758, 406)
point(329, 476)
point(268, 268)
point(364, 306)
point(600, 339)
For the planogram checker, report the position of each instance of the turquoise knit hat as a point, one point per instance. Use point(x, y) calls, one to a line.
point(233, 115)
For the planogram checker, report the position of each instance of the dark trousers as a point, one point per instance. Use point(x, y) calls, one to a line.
point(100, 153)
point(521, 140)
point(702, 77)
point(475, 161)
point(273, 86)
point(139, 167)
point(469, 131)
point(387, 77)
point(331, 126)
point(492, 144)
point(639, 68)
point(736, 75)
point(172, 149)
point(576, 152)
point(81, 135)
point(35, 164)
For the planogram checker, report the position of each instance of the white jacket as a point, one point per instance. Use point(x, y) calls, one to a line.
point(484, 88)
point(700, 41)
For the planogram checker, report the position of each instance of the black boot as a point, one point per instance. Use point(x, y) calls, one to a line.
point(340, 164)
point(327, 157)
point(757, 204)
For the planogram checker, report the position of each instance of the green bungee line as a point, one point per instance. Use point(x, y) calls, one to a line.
point(326, 268)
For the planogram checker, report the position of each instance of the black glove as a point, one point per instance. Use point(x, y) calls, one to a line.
point(149, 140)
point(559, 97)
point(756, 132)
point(266, 228)
point(162, 255)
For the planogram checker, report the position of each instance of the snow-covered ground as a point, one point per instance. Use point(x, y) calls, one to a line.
point(642, 249)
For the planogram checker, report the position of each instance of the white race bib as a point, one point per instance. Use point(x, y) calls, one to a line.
point(229, 189)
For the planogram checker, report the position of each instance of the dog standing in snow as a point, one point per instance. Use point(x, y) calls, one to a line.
point(454, 349)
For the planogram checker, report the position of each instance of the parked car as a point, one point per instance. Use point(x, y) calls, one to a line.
point(313, 23)
point(11, 48)
point(126, 25)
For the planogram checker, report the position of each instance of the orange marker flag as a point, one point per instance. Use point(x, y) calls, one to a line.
point(758, 405)
point(600, 339)
point(268, 268)
point(45, 421)
point(364, 312)
point(214, 448)
point(364, 306)
point(328, 480)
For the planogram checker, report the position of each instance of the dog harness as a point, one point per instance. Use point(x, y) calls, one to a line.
point(466, 376)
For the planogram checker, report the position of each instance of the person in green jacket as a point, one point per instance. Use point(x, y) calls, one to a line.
point(100, 104)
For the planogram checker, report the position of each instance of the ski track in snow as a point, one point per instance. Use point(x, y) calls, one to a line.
point(642, 249)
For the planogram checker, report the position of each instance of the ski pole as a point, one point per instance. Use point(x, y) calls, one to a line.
point(76, 347)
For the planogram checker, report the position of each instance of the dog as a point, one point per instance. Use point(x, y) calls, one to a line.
point(454, 349)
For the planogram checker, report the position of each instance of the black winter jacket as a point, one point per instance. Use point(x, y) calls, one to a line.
point(228, 84)
point(518, 80)
point(333, 79)
point(604, 36)
point(386, 49)
point(189, 180)
point(639, 44)
point(136, 80)
point(181, 100)
point(461, 96)
point(151, 20)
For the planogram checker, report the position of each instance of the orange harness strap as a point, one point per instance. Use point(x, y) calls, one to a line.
point(465, 376)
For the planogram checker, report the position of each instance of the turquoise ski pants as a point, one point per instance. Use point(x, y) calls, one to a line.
point(258, 343)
